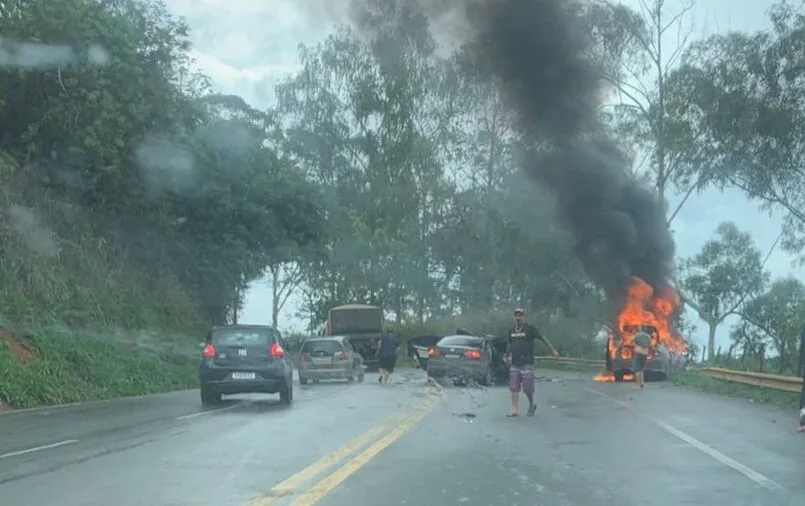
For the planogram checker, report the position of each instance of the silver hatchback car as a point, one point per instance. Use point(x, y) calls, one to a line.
point(330, 358)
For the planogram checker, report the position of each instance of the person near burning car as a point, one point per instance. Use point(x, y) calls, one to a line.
point(520, 356)
point(642, 343)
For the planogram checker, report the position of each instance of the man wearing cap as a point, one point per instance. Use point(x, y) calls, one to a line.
point(520, 355)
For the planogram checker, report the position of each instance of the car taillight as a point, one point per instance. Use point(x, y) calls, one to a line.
point(472, 354)
point(276, 350)
point(341, 356)
point(433, 352)
point(208, 351)
point(305, 357)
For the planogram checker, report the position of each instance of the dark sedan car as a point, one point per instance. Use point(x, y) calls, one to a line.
point(242, 359)
point(462, 358)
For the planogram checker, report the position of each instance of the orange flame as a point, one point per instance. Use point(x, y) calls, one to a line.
point(609, 377)
point(644, 307)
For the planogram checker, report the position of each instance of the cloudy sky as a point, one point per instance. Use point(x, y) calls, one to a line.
point(247, 46)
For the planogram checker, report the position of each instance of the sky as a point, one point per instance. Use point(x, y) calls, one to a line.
point(248, 46)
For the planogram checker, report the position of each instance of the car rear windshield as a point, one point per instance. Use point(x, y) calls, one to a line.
point(461, 341)
point(322, 345)
point(241, 336)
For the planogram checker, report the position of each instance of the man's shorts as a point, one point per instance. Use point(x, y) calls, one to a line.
point(388, 363)
point(638, 362)
point(521, 378)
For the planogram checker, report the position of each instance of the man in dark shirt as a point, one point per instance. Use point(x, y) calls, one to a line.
point(520, 355)
point(387, 355)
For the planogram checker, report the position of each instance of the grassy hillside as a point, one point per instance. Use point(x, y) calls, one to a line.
point(65, 305)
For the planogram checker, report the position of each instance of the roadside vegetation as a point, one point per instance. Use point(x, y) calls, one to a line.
point(137, 203)
point(700, 381)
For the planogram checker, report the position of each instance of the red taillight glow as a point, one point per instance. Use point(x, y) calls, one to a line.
point(341, 356)
point(208, 351)
point(305, 357)
point(276, 350)
point(433, 352)
point(473, 354)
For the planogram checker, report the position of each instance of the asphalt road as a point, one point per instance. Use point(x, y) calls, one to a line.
point(408, 443)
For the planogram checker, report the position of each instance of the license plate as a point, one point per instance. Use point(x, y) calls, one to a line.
point(243, 375)
point(451, 357)
point(325, 360)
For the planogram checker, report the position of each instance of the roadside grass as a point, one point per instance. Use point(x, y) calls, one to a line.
point(73, 311)
point(67, 367)
point(698, 380)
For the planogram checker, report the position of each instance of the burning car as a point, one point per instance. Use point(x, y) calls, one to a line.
point(619, 354)
point(652, 313)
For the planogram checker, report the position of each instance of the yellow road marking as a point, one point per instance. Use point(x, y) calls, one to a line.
point(325, 486)
point(292, 483)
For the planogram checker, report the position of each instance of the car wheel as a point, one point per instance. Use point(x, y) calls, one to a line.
point(209, 397)
point(302, 381)
point(360, 377)
point(618, 376)
point(351, 376)
point(286, 395)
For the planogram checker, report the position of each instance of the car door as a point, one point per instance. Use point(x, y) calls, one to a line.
point(354, 356)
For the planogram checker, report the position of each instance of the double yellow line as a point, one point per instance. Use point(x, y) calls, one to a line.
point(399, 425)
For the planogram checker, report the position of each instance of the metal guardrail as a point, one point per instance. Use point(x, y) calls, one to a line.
point(773, 381)
point(569, 361)
point(758, 379)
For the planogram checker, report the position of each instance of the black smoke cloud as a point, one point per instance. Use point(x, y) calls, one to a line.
point(542, 56)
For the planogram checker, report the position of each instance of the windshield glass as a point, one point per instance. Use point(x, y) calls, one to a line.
point(241, 336)
point(461, 341)
point(322, 346)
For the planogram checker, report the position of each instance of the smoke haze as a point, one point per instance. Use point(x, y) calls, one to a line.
point(540, 53)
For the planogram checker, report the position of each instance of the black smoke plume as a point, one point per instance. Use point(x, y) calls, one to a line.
point(542, 55)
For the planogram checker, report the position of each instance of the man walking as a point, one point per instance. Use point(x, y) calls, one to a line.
point(642, 343)
point(387, 355)
point(520, 355)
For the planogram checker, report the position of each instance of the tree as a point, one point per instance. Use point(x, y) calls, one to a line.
point(284, 279)
point(636, 67)
point(737, 109)
point(779, 316)
point(132, 161)
point(719, 279)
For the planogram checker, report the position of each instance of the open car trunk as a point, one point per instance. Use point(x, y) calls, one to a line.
point(366, 345)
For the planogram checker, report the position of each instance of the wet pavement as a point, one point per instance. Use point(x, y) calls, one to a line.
point(408, 443)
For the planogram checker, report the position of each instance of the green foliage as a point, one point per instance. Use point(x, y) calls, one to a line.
point(726, 272)
point(68, 367)
point(776, 316)
point(132, 196)
point(736, 107)
point(701, 381)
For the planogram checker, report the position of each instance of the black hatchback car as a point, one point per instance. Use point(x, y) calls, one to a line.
point(241, 359)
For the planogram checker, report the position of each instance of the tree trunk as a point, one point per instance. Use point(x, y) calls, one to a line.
point(274, 271)
point(711, 341)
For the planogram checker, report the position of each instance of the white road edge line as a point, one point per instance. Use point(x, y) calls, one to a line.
point(750, 473)
point(210, 411)
point(38, 448)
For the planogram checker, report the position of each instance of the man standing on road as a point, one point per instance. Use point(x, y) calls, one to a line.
point(642, 343)
point(520, 355)
point(387, 355)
